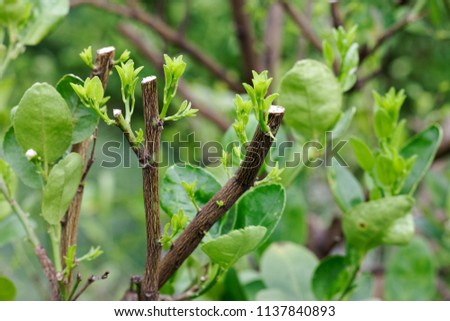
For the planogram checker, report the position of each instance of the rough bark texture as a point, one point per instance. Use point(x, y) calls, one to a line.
point(228, 195)
point(69, 225)
point(153, 128)
point(49, 271)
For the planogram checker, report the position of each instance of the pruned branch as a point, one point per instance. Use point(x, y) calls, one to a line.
point(206, 217)
point(69, 225)
point(273, 38)
point(336, 14)
point(168, 34)
point(303, 23)
point(246, 39)
point(153, 129)
point(157, 61)
point(88, 283)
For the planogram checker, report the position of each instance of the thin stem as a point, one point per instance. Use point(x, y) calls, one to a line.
point(75, 287)
point(55, 235)
point(88, 283)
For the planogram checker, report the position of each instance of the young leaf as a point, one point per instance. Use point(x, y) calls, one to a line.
point(425, 146)
point(7, 289)
point(174, 196)
point(43, 122)
point(346, 189)
point(15, 156)
point(262, 206)
point(312, 96)
point(46, 14)
point(85, 120)
point(288, 268)
point(8, 177)
point(62, 184)
point(227, 249)
point(331, 277)
point(400, 232)
point(411, 273)
point(327, 52)
point(384, 124)
point(343, 124)
point(363, 154)
point(366, 225)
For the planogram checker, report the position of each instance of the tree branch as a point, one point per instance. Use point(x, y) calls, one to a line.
point(69, 225)
point(246, 39)
point(157, 61)
point(153, 129)
point(272, 38)
point(206, 217)
point(336, 14)
point(303, 23)
point(168, 34)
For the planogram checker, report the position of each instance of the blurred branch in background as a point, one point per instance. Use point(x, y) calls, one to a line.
point(168, 34)
point(336, 14)
point(273, 37)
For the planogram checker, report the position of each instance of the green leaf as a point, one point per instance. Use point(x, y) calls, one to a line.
point(288, 268)
point(384, 124)
point(262, 206)
point(46, 14)
point(312, 97)
point(400, 232)
point(343, 124)
point(346, 189)
point(43, 122)
point(15, 157)
point(363, 154)
point(10, 230)
point(331, 277)
point(411, 273)
point(384, 170)
point(327, 52)
point(425, 146)
point(174, 196)
point(349, 67)
point(8, 176)
point(7, 289)
point(367, 224)
point(227, 249)
point(84, 120)
point(62, 185)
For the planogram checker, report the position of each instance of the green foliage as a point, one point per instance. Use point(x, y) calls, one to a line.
point(312, 97)
point(7, 289)
point(85, 120)
point(91, 95)
point(331, 276)
point(177, 223)
point(128, 79)
point(14, 155)
point(184, 112)
point(366, 225)
point(227, 249)
point(260, 102)
point(43, 122)
point(363, 153)
point(62, 184)
point(243, 110)
point(262, 206)
point(282, 274)
point(86, 56)
point(174, 196)
point(411, 273)
point(173, 70)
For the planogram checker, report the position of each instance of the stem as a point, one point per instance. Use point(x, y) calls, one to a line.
point(55, 234)
point(244, 179)
point(153, 129)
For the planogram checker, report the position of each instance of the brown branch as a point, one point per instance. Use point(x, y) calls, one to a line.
point(153, 129)
point(336, 13)
point(246, 39)
point(168, 34)
point(365, 51)
point(157, 61)
point(69, 225)
point(88, 283)
point(303, 23)
point(206, 217)
point(272, 38)
point(49, 271)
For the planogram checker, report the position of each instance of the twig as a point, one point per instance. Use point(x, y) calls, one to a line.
point(157, 61)
point(336, 13)
point(153, 129)
point(46, 263)
point(90, 161)
point(245, 36)
point(365, 51)
point(168, 34)
point(88, 283)
point(228, 195)
point(133, 293)
point(69, 225)
point(272, 38)
point(303, 23)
